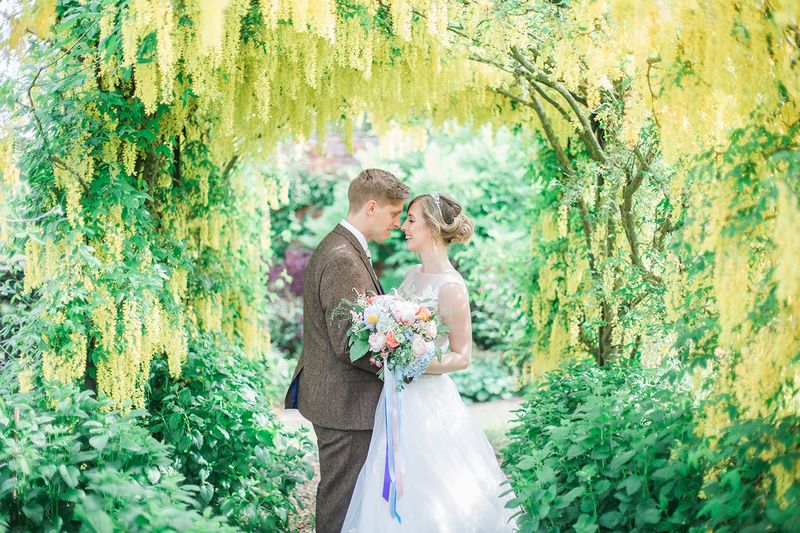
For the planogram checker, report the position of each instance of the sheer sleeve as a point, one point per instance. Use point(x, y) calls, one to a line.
point(407, 286)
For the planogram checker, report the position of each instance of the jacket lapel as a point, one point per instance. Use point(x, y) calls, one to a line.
point(347, 234)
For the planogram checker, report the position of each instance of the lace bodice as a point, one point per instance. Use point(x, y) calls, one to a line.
point(428, 286)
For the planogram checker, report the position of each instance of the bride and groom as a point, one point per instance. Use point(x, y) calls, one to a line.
point(449, 478)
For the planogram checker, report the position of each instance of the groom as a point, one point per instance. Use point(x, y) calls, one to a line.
point(339, 396)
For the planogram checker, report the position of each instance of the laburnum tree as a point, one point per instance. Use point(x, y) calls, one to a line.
point(671, 224)
point(133, 126)
point(675, 126)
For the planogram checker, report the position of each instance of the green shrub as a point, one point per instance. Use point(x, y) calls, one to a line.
point(595, 449)
point(218, 417)
point(741, 491)
point(67, 464)
point(286, 325)
point(487, 378)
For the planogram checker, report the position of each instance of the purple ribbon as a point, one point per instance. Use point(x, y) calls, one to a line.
point(392, 478)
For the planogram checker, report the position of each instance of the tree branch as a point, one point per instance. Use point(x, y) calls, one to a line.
point(626, 214)
point(229, 167)
point(51, 156)
point(661, 234)
point(563, 160)
point(590, 139)
point(586, 224)
point(652, 94)
point(552, 102)
point(479, 59)
point(57, 161)
point(561, 154)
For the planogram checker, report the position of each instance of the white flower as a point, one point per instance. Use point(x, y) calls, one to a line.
point(385, 323)
point(372, 315)
point(404, 312)
point(430, 329)
point(377, 341)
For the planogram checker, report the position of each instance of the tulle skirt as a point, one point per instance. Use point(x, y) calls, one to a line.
point(451, 482)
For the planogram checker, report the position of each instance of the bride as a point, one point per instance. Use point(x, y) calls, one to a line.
point(449, 479)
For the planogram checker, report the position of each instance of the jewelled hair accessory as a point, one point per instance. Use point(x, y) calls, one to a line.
point(437, 201)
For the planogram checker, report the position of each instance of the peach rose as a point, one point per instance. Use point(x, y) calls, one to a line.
point(419, 346)
point(391, 341)
point(424, 313)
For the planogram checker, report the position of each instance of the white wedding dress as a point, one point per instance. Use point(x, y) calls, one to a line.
point(451, 481)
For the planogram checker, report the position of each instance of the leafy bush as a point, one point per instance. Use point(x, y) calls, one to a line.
point(226, 439)
point(595, 449)
point(293, 269)
point(287, 324)
point(487, 378)
point(309, 193)
point(69, 464)
point(748, 484)
point(13, 300)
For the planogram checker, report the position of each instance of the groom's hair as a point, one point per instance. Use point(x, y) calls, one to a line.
point(376, 184)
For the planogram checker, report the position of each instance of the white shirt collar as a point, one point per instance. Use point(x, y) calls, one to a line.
point(358, 234)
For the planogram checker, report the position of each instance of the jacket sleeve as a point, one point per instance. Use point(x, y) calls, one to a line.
point(339, 279)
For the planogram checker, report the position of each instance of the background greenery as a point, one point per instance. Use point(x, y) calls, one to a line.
point(638, 208)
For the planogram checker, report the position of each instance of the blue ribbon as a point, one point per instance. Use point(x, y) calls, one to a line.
point(390, 468)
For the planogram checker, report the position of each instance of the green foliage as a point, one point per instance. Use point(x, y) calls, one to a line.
point(67, 463)
point(742, 492)
point(754, 163)
point(487, 378)
point(308, 195)
point(226, 439)
point(616, 449)
point(286, 333)
point(12, 301)
point(594, 450)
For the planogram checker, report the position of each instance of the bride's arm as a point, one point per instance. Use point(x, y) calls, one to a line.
point(454, 308)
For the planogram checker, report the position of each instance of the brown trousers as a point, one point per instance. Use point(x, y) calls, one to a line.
point(342, 453)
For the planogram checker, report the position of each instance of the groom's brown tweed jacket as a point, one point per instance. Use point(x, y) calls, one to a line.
point(326, 387)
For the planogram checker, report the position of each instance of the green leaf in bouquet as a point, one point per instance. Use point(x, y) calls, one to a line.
point(358, 348)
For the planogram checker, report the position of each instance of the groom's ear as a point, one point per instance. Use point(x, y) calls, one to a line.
point(370, 207)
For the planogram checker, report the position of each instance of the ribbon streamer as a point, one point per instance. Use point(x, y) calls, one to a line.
point(393, 467)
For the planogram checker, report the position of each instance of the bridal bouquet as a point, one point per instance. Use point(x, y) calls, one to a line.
point(395, 331)
point(398, 333)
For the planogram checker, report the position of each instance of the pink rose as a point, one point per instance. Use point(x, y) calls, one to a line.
point(419, 346)
point(403, 311)
point(424, 313)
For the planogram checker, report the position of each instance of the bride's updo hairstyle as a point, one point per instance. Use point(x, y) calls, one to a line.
point(445, 217)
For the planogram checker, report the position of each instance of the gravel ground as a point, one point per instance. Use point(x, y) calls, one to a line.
point(494, 417)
